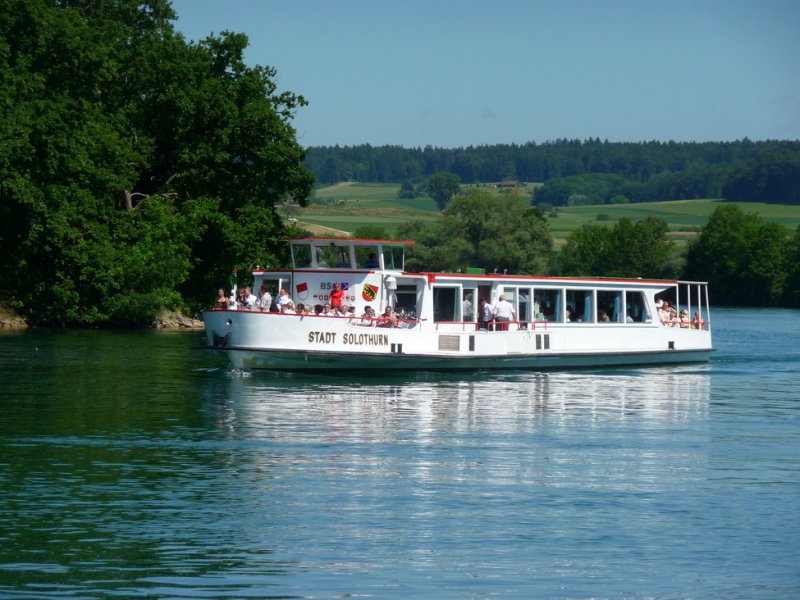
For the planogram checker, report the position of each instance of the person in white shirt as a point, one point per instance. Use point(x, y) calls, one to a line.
point(264, 299)
point(503, 313)
point(283, 298)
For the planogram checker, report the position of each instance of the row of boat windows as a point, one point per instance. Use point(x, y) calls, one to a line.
point(533, 304)
point(322, 256)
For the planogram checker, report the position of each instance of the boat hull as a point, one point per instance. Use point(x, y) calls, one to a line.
point(301, 360)
point(255, 340)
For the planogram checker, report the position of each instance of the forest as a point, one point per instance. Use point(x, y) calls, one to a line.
point(586, 172)
point(138, 169)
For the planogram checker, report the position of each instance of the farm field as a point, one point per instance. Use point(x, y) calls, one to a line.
point(342, 208)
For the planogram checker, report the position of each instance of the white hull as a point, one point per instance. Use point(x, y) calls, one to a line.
point(255, 340)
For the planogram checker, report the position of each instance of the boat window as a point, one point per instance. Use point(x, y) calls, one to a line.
point(549, 305)
point(393, 258)
point(446, 304)
point(367, 257)
point(406, 301)
point(523, 305)
point(579, 306)
point(636, 308)
point(301, 256)
point(609, 307)
point(325, 255)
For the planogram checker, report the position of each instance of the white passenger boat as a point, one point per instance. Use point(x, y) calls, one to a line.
point(557, 322)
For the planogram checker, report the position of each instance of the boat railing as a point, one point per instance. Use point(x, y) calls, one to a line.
point(492, 326)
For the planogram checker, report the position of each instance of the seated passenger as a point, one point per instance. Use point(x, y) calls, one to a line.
point(684, 319)
point(327, 311)
point(372, 261)
point(288, 308)
point(602, 317)
point(387, 319)
point(221, 301)
point(368, 318)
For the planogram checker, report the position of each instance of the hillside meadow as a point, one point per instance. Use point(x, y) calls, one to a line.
point(342, 208)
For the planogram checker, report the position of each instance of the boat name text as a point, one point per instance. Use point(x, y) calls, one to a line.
point(349, 339)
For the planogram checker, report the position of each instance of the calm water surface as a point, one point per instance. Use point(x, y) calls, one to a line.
point(134, 464)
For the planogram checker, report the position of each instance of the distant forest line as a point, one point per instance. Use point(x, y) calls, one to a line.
point(586, 172)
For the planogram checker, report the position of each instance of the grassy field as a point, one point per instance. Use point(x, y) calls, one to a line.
point(342, 208)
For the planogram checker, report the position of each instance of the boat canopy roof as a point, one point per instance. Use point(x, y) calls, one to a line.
point(348, 253)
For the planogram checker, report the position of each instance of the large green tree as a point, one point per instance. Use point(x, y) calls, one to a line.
point(442, 187)
point(628, 249)
point(743, 258)
point(480, 229)
point(133, 164)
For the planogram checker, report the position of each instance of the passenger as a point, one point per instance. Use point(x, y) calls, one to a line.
point(300, 308)
point(337, 296)
point(264, 300)
point(570, 315)
point(684, 319)
point(327, 311)
point(249, 299)
point(368, 318)
point(351, 315)
point(466, 308)
point(667, 314)
point(221, 301)
point(241, 299)
point(283, 299)
point(503, 313)
point(288, 308)
point(387, 319)
point(602, 317)
point(485, 314)
point(318, 309)
point(372, 261)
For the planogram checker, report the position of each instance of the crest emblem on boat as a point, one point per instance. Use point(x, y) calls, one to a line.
point(302, 290)
point(370, 292)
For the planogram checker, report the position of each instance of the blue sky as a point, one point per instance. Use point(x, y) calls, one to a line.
point(458, 73)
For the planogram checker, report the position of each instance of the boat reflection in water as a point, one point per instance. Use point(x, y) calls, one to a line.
point(264, 404)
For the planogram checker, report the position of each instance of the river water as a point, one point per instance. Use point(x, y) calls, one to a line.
point(136, 464)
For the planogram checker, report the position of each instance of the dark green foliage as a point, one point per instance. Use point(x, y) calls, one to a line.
point(642, 172)
point(372, 232)
point(744, 258)
point(773, 177)
point(133, 165)
point(627, 249)
point(442, 187)
point(479, 229)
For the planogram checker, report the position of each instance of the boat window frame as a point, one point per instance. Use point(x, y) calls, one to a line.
point(558, 301)
point(456, 289)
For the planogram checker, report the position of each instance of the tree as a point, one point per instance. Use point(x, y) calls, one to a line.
point(442, 187)
point(627, 249)
point(141, 166)
point(479, 229)
point(742, 257)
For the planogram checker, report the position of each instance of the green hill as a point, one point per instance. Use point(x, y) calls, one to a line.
point(342, 208)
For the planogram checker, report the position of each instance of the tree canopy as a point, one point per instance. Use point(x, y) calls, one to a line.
point(628, 249)
point(482, 230)
point(133, 165)
point(747, 261)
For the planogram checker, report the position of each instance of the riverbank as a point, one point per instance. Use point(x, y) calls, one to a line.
point(165, 319)
point(11, 320)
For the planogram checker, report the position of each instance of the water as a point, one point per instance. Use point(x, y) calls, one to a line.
point(134, 464)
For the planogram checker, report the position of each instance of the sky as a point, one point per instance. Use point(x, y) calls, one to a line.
point(451, 74)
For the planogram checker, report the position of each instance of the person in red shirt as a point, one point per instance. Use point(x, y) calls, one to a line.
point(337, 295)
